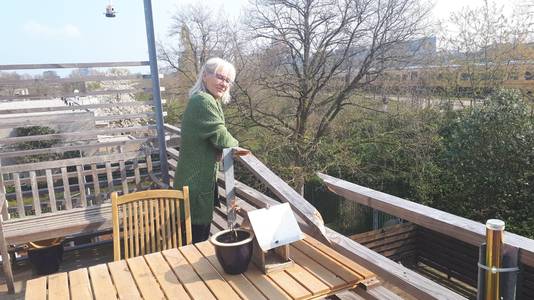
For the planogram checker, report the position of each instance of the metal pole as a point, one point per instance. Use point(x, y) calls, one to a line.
point(229, 186)
point(151, 42)
point(494, 242)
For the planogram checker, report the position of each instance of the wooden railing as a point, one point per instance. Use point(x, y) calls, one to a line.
point(454, 227)
point(311, 223)
point(466, 230)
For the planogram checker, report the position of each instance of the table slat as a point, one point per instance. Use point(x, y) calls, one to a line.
point(170, 284)
point(58, 286)
point(329, 278)
point(123, 279)
point(36, 289)
point(239, 283)
point(290, 285)
point(80, 286)
point(327, 262)
point(101, 281)
point(146, 282)
point(220, 288)
point(308, 280)
point(185, 273)
point(357, 268)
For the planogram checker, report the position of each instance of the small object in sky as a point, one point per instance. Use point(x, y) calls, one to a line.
point(110, 10)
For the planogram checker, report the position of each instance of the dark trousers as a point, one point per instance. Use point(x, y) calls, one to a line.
point(201, 232)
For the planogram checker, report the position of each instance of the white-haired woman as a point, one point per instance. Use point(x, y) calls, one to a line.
point(203, 137)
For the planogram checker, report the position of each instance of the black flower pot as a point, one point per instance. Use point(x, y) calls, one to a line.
point(45, 256)
point(233, 249)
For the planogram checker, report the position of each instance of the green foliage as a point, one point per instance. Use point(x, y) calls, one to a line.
point(175, 110)
point(487, 163)
point(40, 144)
point(35, 130)
point(94, 86)
point(476, 163)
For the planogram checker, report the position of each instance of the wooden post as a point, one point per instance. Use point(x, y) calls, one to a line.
point(6, 261)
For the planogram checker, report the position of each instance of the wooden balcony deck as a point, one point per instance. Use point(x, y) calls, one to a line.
point(38, 191)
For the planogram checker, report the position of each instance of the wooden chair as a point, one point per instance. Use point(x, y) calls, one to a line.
point(151, 221)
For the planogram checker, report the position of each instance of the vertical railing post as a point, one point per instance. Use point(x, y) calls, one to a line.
point(229, 185)
point(6, 261)
point(156, 91)
point(376, 223)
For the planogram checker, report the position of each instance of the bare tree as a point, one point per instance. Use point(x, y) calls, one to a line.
point(485, 48)
point(311, 57)
point(202, 33)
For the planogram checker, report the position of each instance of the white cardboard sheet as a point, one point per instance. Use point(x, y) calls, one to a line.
point(275, 226)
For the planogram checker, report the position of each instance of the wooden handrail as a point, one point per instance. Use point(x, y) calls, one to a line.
point(466, 230)
point(74, 65)
point(287, 194)
point(76, 135)
point(410, 281)
point(173, 129)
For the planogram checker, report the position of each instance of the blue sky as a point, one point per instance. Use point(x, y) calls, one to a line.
point(53, 31)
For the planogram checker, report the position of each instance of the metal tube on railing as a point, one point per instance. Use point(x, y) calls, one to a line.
point(494, 251)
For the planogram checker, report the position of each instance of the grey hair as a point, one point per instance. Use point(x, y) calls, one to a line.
point(213, 65)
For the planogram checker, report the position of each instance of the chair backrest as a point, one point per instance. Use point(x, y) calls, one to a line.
point(150, 220)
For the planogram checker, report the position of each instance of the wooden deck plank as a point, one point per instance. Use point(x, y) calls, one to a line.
point(123, 279)
point(101, 282)
point(146, 282)
point(192, 283)
point(220, 288)
point(169, 283)
point(58, 286)
point(239, 283)
point(355, 267)
point(290, 285)
point(36, 289)
point(263, 283)
point(80, 286)
point(340, 270)
point(325, 275)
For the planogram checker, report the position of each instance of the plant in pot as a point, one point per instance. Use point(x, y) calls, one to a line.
point(46, 255)
point(233, 248)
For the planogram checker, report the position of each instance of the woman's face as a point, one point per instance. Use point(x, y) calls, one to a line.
point(218, 82)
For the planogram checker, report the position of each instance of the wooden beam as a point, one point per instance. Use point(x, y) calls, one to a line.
point(6, 260)
point(68, 95)
point(74, 65)
point(411, 282)
point(75, 135)
point(22, 153)
point(70, 162)
point(74, 107)
point(48, 81)
point(285, 193)
point(466, 230)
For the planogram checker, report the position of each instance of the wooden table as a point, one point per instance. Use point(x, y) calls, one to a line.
point(194, 272)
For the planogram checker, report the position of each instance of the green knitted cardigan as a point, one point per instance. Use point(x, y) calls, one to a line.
point(203, 135)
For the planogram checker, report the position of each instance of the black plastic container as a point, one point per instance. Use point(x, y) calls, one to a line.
point(233, 249)
point(46, 256)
